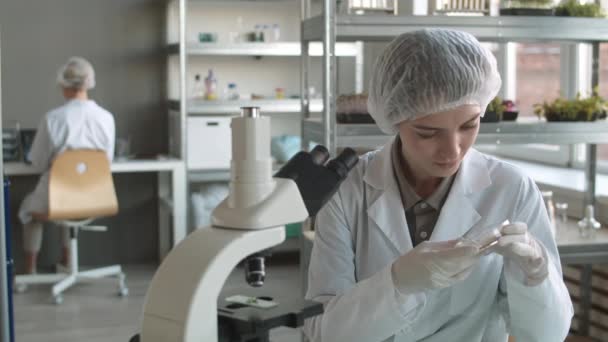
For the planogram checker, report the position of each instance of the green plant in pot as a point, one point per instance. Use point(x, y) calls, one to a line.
point(511, 112)
point(527, 7)
point(500, 110)
point(572, 8)
point(578, 109)
point(494, 111)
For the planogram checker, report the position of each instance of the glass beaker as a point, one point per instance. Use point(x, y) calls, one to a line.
point(588, 226)
point(548, 199)
point(123, 148)
point(561, 212)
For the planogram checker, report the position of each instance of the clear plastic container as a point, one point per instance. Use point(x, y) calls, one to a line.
point(276, 33)
point(232, 93)
point(197, 89)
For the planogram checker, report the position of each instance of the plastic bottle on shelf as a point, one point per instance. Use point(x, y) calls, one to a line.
point(238, 38)
point(210, 86)
point(258, 33)
point(232, 93)
point(197, 87)
point(266, 34)
point(276, 32)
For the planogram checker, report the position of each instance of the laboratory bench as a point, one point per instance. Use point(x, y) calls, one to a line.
point(574, 249)
point(172, 204)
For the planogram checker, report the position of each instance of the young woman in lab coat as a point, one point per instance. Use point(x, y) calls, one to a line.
point(388, 261)
point(79, 124)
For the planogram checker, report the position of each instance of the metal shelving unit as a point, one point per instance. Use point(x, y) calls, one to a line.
point(202, 107)
point(183, 107)
point(495, 29)
point(331, 28)
point(278, 49)
point(539, 132)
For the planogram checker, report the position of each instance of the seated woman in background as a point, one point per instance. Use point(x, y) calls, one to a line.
point(78, 124)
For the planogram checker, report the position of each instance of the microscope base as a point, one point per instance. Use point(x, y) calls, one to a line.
point(239, 323)
point(250, 324)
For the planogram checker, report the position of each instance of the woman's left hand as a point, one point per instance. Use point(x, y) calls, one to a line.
point(518, 245)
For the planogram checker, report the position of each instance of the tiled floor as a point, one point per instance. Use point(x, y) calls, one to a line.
point(94, 312)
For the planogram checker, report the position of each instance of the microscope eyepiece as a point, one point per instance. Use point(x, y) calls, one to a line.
point(319, 155)
point(255, 271)
point(343, 163)
point(316, 177)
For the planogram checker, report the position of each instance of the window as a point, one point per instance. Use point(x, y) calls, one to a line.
point(538, 75)
point(537, 79)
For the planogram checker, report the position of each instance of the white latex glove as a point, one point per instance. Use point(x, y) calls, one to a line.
point(433, 265)
point(517, 245)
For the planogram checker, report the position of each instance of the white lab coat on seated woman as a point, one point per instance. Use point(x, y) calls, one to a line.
point(363, 230)
point(78, 124)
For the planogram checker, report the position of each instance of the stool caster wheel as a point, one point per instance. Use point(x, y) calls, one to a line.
point(123, 292)
point(58, 299)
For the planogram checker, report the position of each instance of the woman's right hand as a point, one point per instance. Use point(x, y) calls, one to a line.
point(433, 265)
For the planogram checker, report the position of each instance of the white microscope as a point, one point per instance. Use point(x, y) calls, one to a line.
point(181, 303)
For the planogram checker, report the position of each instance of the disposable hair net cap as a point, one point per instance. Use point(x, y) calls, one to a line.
point(77, 73)
point(430, 71)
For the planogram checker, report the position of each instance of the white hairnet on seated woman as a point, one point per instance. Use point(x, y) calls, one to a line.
point(430, 71)
point(77, 73)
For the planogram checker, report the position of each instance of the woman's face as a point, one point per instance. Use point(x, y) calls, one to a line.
point(434, 145)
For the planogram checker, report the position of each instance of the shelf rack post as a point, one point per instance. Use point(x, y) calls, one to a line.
point(329, 75)
point(590, 177)
point(591, 158)
point(304, 72)
point(5, 320)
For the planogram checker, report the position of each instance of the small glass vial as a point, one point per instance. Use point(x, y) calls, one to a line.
point(483, 239)
point(561, 209)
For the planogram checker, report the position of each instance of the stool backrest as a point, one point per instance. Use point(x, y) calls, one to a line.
point(81, 186)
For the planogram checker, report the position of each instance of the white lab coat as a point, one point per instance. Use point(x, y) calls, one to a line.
point(78, 124)
point(363, 229)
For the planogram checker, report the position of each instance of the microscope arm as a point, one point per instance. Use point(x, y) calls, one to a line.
point(181, 304)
